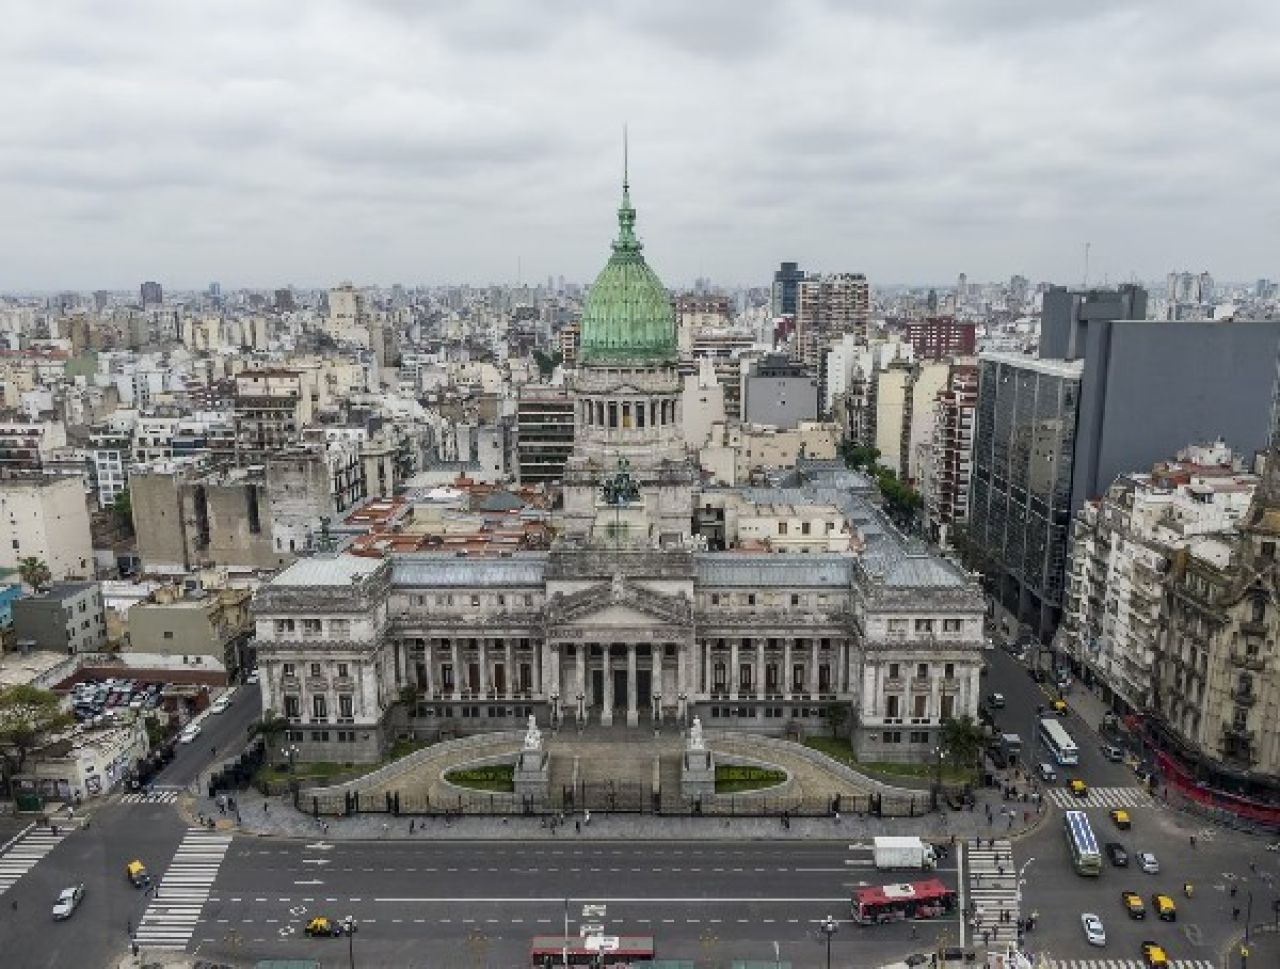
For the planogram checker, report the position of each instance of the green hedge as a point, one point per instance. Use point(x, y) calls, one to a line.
point(497, 778)
point(733, 779)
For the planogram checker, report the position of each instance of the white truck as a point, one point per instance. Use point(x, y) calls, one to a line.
point(904, 852)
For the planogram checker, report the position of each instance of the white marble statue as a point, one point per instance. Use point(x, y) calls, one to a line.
point(533, 739)
point(695, 735)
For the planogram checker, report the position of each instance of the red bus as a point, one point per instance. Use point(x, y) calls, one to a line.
point(907, 900)
point(550, 951)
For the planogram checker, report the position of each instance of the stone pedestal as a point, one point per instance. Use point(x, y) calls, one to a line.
point(698, 774)
point(532, 777)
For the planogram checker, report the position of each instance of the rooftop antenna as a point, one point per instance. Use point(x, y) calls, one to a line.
point(1086, 264)
point(626, 178)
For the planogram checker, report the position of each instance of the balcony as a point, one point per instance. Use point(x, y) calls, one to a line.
point(1248, 661)
point(1236, 733)
point(951, 686)
point(1243, 698)
point(1251, 628)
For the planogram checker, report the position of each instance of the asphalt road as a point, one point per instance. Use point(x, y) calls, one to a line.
point(227, 733)
point(97, 857)
point(451, 903)
point(1220, 859)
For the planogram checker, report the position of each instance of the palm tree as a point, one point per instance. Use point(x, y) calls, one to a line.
point(34, 572)
point(268, 728)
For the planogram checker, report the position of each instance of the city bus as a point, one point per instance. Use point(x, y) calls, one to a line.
point(928, 899)
point(1085, 856)
point(1058, 742)
point(617, 951)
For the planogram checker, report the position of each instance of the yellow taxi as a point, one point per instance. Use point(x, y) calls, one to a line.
point(136, 872)
point(1164, 907)
point(1078, 787)
point(1059, 707)
point(1154, 956)
point(1133, 905)
point(321, 926)
point(1120, 818)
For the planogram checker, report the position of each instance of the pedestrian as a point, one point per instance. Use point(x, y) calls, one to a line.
point(14, 904)
point(134, 946)
point(986, 937)
point(577, 827)
point(1235, 914)
point(837, 817)
point(1193, 840)
point(1233, 891)
point(586, 817)
point(915, 934)
point(128, 927)
point(266, 808)
point(411, 825)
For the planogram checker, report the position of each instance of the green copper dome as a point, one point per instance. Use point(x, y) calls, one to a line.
point(628, 318)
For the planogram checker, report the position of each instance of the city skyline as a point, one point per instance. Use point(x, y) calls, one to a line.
point(377, 142)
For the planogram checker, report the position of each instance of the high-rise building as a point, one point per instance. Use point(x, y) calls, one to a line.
point(544, 434)
point(152, 294)
point(1067, 314)
point(942, 337)
point(780, 393)
point(947, 464)
point(827, 308)
point(786, 283)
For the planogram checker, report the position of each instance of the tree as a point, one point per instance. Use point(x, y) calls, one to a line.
point(28, 715)
point(837, 716)
point(547, 362)
point(122, 509)
point(859, 457)
point(269, 728)
point(34, 572)
point(409, 697)
point(962, 740)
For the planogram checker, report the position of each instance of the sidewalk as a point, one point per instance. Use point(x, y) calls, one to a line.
point(276, 817)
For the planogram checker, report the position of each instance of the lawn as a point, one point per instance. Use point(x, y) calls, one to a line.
point(838, 749)
point(496, 778)
point(732, 779)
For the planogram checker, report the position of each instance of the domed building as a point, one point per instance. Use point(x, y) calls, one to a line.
point(629, 482)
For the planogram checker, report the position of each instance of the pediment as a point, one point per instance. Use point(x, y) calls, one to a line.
point(618, 603)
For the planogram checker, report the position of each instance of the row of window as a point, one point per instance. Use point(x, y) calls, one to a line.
point(919, 707)
point(290, 670)
point(769, 713)
point(913, 737)
point(639, 413)
point(799, 677)
point(319, 707)
point(769, 599)
point(321, 736)
point(922, 671)
point(313, 628)
point(924, 625)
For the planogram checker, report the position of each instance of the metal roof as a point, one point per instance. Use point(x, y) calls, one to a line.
point(327, 570)
point(441, 569)
point(772, 569)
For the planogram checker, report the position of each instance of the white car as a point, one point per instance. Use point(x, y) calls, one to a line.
point(190, 733)
point(1147, 862)
point(1093, 930)
point(220, 705)
point(252, 677)
point(67, 901)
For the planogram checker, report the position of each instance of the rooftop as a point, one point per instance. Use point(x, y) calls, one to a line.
point(328, 570)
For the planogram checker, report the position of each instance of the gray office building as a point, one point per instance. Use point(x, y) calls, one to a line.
point(1067, 314)
point(779, 391)
point(65, 616)
point(1050, 435)
point(786, 287)
point(1024, 443)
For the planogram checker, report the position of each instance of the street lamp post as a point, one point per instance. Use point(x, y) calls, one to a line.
point(291, 752)
point(829, 928)
point(1248, 917)
point(683, 712)
point(351, 926)
point(657, 712)
point(937, 775)
point(581, 711)
point(555, 711)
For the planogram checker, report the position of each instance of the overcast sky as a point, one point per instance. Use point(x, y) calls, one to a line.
point(260, 143)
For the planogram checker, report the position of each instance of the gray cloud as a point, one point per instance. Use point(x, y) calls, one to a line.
point(258, 143)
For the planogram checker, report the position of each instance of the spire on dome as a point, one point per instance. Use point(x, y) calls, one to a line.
point(626, 241)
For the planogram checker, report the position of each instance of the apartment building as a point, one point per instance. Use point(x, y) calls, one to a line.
point(544, 433)
point(942, 337)
point(827, 307)
point(46, 518)
point(271, 408)
point(946, 458)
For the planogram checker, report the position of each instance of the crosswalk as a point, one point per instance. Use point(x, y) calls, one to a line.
point(993, 891)
point(27, 851)
point(151, 797)
point(1126, 964)
point(175, 908)
point(1101, 797)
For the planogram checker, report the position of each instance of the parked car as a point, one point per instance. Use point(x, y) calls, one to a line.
point(996, 700)
point(1093, 929)
point(68, 900)
point(1112, 753)
point(252, 677)
point(189, 733)
point(220, 705)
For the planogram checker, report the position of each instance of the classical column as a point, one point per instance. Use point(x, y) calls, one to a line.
point(429, 661)
point(455, 656)
point(655, 679)
point(733, 668)
point(606, 713)
point(760, 677)
point(633, 714)
point(484, 667)
point(786, 668)
point(509, 657)
point(581, 650)
point(546, 678)
point(707, 683)
point(682, 668)
point(813, 668)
